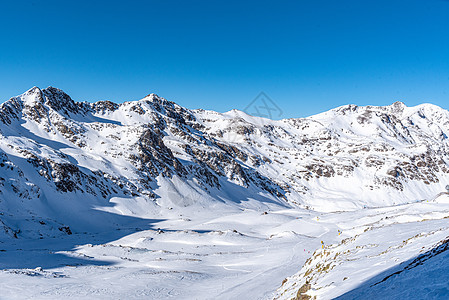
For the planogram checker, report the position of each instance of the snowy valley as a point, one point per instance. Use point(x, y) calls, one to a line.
point(150, 200)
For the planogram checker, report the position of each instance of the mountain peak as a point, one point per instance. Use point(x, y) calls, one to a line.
point(398, 106)
point(59, 100)
point(151, 96)
point(399, 103)
point(54, 90)
point(32, 95)
point(34, 90)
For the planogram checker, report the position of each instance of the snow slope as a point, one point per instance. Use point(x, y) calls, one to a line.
point(163, 198)
point(390, 253)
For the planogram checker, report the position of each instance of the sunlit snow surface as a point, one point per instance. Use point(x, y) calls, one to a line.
point(385, 253)
point(214, 255)
point(241, 253)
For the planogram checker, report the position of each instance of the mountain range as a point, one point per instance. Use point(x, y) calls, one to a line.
point(70, 167)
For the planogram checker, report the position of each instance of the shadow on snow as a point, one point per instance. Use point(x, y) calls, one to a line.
point(52, 252)
point(426, 276)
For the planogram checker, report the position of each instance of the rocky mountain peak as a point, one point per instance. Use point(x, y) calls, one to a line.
point(399, 104)
point(32, 96)
point(59, 101)
point(34, 91)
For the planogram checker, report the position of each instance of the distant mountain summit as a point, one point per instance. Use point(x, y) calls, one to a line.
point(62, 161)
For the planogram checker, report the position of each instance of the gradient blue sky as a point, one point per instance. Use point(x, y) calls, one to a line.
point(308, 56)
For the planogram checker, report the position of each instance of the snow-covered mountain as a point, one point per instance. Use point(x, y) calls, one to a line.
point(70, 157)
point(54, 149)
point(71, 167)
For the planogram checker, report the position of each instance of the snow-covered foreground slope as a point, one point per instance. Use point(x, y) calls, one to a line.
point(147, 199)
point(238, 254)
point(242, 254)
point(388, 253)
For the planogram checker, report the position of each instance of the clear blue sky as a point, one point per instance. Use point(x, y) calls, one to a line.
point(308, 56)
